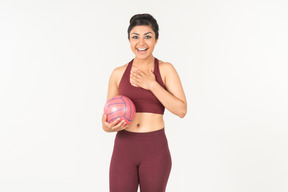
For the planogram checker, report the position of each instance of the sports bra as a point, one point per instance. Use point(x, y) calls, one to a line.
point(144, 100)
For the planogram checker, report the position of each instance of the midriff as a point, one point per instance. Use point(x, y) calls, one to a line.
point(146, 122)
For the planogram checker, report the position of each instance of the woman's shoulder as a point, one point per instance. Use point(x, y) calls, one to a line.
point(118, 71)
point(165, 66)
point(166, 70)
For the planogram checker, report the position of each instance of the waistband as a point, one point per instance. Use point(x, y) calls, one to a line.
point(159, 132)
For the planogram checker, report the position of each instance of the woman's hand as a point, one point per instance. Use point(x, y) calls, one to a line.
point(140, 79)
point(113, 126)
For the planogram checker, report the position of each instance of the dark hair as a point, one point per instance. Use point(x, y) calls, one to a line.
point(144, 19)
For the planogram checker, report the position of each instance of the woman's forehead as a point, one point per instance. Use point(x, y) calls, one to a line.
point(142, 29)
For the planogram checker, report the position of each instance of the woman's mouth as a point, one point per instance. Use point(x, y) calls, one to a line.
point(142, 50)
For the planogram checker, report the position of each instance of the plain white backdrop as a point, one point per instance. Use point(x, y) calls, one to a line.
point(56, 57)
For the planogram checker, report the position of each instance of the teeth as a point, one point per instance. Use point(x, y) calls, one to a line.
point(142, 49)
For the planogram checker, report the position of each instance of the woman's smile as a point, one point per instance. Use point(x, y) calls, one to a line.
point(142, 50)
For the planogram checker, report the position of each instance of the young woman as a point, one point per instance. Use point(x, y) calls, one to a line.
point(141, 154)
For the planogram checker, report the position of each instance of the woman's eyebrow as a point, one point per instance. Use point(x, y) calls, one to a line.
point(144, 33)
point(147, 33)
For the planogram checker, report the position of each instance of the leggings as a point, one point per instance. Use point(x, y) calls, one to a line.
point(140, 159)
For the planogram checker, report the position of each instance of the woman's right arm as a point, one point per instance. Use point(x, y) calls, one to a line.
point(113, 90)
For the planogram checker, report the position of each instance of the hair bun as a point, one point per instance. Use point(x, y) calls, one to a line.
point(143, 16)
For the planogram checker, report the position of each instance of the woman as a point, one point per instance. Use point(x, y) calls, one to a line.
point(141, 154)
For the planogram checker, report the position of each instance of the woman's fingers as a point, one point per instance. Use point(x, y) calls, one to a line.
point(104, 118)
point(119, 126)
point(114, 123)
point(136, 78)
point(140, 73)
point(124, 127)
point(137, 74)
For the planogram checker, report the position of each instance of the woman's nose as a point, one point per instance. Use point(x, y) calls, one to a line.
point(141, 41)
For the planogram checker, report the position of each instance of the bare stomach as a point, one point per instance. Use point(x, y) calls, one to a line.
point(146, 122)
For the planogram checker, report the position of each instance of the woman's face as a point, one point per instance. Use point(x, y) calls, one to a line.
point(142, 41)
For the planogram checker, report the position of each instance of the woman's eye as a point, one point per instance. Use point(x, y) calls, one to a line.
point(147, 37)
point(135, 37)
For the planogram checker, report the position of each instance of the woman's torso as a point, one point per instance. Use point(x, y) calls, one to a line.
point(143, 122)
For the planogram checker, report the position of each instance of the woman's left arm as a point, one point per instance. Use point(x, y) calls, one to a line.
point(173, 98)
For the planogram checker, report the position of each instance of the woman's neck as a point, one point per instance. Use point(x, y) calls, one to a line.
point(144, 62)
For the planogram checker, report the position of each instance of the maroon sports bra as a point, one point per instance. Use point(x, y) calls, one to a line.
point(144, 100)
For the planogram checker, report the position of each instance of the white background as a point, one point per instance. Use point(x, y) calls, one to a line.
point(56, 57)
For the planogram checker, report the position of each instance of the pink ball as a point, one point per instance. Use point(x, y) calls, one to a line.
point(120, 107)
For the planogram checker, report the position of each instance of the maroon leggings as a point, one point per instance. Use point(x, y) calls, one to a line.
point(140, 158)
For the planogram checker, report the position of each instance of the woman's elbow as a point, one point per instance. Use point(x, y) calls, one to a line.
point(183, 113)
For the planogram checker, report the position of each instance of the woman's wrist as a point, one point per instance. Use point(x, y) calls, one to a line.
point(153, 85)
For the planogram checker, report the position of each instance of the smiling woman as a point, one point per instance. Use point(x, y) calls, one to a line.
point(141, 153)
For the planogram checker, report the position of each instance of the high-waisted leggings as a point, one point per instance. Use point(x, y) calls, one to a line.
point(140, 159)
